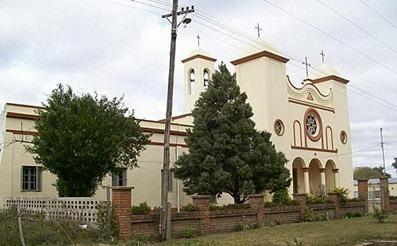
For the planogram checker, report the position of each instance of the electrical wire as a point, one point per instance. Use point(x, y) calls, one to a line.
point(378, 14)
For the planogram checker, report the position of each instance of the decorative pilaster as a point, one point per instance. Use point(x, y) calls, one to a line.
point(322, 177)
point(306, 179)
point(121, 201)
point(336, 177)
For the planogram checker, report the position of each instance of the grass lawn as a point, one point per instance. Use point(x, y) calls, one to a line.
point(335, 232)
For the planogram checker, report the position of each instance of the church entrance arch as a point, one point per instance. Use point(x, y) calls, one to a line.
point(315, 176)
point(298, 182)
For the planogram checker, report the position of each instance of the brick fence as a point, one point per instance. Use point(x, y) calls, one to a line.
point(208, 221)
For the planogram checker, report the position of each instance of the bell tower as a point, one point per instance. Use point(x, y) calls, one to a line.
point(198, 69)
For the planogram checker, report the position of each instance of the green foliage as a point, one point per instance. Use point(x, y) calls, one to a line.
point(189, 208)
point(230, 207)
point(242, 227)
point(188, 233)
point(343, 194)
point(281, 197)
point(226, 153)
point(365, 173)
point(380, 215)
point(353, 200)
point(39, 230)
point(83, 138)
point(309, 215)
point(106, 222)
point(352, 215)
point(392, 197)
point(142, 208)
point(311, 200)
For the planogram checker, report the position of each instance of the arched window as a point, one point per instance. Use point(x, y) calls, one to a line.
point(191, 82)
point(206, 76)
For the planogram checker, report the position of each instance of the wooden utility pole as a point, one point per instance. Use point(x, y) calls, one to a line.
point(382, 146)
point(165, 221)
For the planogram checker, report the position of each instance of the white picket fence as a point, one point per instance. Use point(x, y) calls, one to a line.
point(83, 209)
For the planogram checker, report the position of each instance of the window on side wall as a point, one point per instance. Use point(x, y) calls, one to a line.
point(31, 178)
point(119, 178)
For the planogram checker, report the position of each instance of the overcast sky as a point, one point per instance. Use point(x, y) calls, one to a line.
point(120, 47)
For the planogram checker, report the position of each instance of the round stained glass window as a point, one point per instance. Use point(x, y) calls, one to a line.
point(343, 137)
point(279, 127)
point(313, 125)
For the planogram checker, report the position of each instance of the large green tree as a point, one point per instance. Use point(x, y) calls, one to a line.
point(83, 137)
point(365, 173)
point(226, 153)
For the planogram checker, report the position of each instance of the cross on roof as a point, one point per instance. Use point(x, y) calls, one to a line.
point(198, 40)
point(322, 55)
point(258, 27)
point(307, 67)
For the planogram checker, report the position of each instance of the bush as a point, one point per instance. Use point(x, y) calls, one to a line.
point(380, 215)
point(309, 215)
point(343, 195)
point(242, 227)
point(107, 225)
point(189, 208)
point(230, 206)
point(281, 197)
point(352, 215)
point(317, 200)
point(142, 208)
point(272, 204)
point(188, 233)
point(353, 200)
point(392, 197)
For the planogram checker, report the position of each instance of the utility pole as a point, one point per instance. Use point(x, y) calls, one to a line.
point(382, 146)
point(165, 221)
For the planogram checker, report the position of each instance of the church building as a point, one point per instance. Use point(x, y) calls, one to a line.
point(309, 124)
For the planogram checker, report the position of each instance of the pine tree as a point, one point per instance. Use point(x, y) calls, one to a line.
point(226, 153)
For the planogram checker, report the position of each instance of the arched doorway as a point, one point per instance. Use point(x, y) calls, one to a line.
point(314, 176)
point(330, 175)
point(298, 182)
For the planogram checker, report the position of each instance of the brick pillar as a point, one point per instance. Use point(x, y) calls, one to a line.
point(121, 201)
point(363, 192)
point(301, 199)
point(203, 203)
point(335, 200)
point(257, 201)
point(384, 193)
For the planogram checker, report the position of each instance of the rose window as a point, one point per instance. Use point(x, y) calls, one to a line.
point(313, 125)
point(279, 127)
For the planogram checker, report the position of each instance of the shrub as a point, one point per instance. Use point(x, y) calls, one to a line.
point(230, 206)
point(188, 233)
point(392, 197)
point(272, 204)
point(242, 227)
point(343, 195)
point(107, 225)
point(189, 208)
point(317, 200)
point(142, 208)
point(309, 215)
point(352, 215)
point(281, 197)
point(353, 200)
point(380, 215)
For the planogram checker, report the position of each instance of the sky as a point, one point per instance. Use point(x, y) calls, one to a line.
point(121, 48)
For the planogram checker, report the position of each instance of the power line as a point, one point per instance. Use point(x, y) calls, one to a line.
point(130, 6)
point(358, 26)
point(331, 36)
point(378, 14)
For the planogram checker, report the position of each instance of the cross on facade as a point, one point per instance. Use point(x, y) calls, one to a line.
point(198, 40)
point(307, 67)
point(258, 27)
point(322, 55)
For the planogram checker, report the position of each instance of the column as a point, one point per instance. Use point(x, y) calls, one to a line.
point(257, 201)
point(322, 177)
point(336, 177)
point(121, 202)
point(384, 193)
point(363, 192)
point(203, 203)
point(306, 179)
